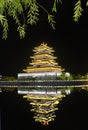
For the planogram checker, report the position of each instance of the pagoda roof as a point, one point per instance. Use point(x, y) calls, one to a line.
point(43, 55)
point(43, 69)
point(50, 62)
point(43, 60)
point(43, 46)
point(43, 51)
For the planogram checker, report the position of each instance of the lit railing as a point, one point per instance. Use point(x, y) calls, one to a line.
point(44, 83)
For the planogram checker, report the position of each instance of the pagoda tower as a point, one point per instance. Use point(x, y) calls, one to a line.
point(43, 61)
point(43, 64)
point(43, 99)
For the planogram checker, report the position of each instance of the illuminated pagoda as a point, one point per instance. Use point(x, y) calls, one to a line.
point(43, 64)
point(44, 100)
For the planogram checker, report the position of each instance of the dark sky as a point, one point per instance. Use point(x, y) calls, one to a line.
point(69, 41)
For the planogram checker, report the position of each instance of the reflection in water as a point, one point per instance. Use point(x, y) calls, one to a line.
point(44, 106)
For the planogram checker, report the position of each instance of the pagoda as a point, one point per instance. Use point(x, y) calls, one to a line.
point(43, 64)
point(43, 99)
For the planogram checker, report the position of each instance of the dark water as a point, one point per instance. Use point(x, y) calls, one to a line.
point(0, 119)
point(72, 113)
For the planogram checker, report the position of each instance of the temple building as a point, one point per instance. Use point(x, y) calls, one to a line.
point(44, 99)
point(43, 64)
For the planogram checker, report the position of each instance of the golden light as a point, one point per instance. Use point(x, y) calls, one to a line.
point(44, 100)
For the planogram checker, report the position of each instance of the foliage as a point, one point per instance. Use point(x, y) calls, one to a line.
point(4, 24)
point(9, 89)
point(51, 21)
point(77, 11)
point(23, 12)
point(9, 78)
point(78, 76)
point(26, 12)
point(64, 77)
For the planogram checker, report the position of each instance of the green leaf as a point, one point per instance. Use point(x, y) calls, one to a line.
point(77, 11)
point(87, 3)
point(33, 13)
point(21, 30)
point(51, 21)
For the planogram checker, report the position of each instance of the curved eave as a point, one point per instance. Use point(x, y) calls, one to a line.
point(43, 63)
point(44, 111)
point(43, 49)
point(46, 56)
point(43, 46)
point(46, 69)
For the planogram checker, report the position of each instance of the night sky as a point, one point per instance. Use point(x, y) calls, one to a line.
point(69, 40)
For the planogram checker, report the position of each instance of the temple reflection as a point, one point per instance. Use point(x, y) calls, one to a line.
point(44, 100)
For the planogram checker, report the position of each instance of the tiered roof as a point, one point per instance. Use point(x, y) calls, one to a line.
point(43, 60)
point(44, 106)
point(43, 100)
